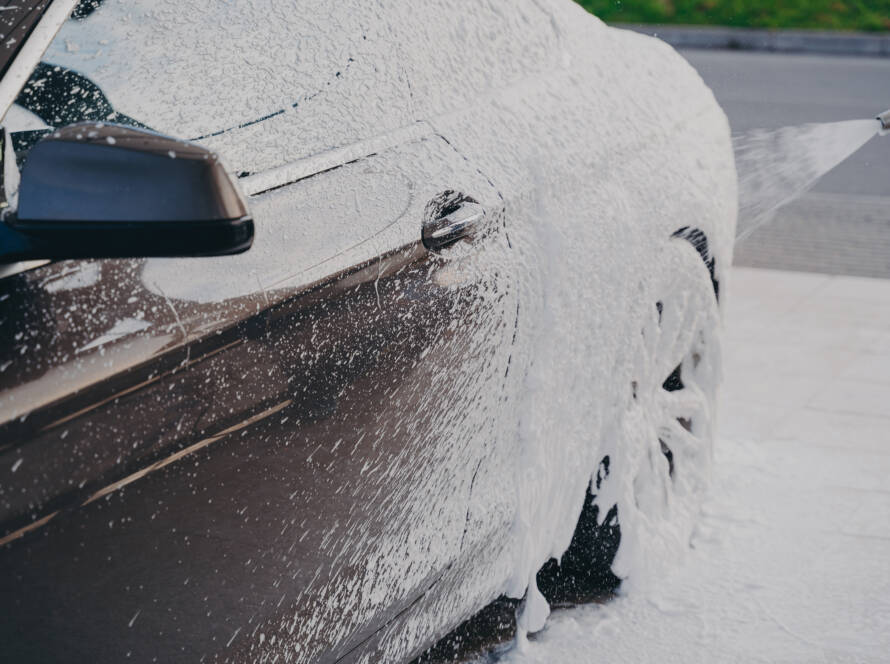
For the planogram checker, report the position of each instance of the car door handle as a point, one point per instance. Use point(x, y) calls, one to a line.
point(462, 222)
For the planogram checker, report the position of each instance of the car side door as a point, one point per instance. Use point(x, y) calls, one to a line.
point(280, 443)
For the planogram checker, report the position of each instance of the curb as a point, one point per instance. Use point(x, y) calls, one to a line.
point(777, 41)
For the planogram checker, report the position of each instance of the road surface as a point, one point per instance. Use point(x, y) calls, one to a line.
point(843, 226)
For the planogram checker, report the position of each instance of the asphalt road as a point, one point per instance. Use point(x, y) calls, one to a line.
point(843, 226)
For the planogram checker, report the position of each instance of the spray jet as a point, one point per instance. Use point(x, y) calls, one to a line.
point(777, 166)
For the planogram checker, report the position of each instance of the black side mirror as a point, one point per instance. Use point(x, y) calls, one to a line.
point(108, 191)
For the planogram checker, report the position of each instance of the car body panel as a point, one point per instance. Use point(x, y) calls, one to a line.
point(299, 409)
point(321, 450)
point(622, 146)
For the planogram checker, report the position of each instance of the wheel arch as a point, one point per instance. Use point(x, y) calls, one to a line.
point(699, 241)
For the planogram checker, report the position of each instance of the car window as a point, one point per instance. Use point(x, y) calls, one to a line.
point(267, 82)
point(263, 82)
point(17, 19)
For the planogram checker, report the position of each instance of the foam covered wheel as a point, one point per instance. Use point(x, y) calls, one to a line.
point(657, 468)
point(584, 572)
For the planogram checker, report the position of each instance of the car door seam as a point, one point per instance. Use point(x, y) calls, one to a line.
point(323, 162)
point(398, 615)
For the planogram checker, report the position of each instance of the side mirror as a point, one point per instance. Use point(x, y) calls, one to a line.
point(108, 191)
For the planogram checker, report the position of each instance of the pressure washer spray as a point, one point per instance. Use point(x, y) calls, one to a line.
point(776, 167)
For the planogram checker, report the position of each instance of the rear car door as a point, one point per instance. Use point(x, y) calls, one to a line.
point(265, 453)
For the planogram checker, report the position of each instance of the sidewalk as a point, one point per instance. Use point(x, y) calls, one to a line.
point(755, 39)
point(791, 561)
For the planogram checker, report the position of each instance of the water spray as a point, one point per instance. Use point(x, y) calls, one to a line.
point(778, 166)
point(884, 119)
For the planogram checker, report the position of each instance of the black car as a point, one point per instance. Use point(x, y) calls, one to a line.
point(323, 325)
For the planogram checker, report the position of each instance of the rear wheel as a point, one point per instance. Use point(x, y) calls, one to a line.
point(658, 466)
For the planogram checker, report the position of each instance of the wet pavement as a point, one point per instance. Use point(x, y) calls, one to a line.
point(827, 233)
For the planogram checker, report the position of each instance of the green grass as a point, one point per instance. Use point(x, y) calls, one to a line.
point(871, 15)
